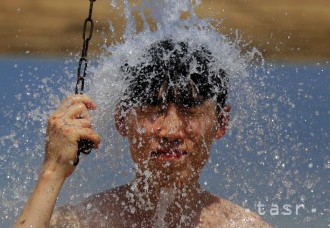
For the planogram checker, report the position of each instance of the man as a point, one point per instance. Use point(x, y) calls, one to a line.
point(171, 112)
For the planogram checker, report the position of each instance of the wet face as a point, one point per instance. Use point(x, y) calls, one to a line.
point(172, 142)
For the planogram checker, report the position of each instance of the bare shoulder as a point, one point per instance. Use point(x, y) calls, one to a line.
point(223, 213)
point(98, 210)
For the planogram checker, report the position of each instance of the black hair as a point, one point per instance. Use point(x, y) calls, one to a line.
point(167, 76)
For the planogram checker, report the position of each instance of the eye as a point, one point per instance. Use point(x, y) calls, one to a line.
point(152, 112)
point(190, 112)
point(155, 115)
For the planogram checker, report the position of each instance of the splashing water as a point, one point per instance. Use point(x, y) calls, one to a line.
point(108, 83)
point(256, 135)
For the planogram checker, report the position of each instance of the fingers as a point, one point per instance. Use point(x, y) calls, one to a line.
point(75, 106)
point(72, 119)
point(75, 99)
point(66, 126)
point(78, 111)
point(75, 133)
point(89, 134)
point(83, 123)
point(80, 98)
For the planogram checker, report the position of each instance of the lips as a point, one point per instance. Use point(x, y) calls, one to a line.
point(168, 153)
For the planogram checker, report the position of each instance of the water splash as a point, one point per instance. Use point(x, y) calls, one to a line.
point(256, 131)
point(109, 82)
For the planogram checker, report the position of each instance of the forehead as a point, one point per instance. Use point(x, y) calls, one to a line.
point(205, 106)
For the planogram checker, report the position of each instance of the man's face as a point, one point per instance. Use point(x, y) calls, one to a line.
point(172, 142)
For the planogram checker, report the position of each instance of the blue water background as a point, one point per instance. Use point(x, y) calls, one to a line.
point(307, 86)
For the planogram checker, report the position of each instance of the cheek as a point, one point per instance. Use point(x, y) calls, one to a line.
point(147, 126)
point(141, 134)
point(199, 128)
point(202, 134)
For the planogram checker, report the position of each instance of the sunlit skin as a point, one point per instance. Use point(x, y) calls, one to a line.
point(169, 144)
point(189, 131)
point(66, 125)
point(165, 128)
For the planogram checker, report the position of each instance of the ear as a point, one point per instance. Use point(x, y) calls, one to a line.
point(222, 122)
point(121, 122)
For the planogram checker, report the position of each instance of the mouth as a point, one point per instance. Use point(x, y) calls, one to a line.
point(165, 154)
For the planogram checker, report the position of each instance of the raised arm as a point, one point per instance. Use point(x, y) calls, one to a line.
point(69, 123)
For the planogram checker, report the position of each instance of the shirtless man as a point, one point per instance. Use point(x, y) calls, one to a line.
point(170, 118)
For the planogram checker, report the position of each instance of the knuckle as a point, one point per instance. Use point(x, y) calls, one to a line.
point(88, 124)
point(85, 114)
point(67, 131)
point(81, 105)
point(72, 99)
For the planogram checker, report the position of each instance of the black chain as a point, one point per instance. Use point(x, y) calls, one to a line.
point(83, 58)
point(84, 146)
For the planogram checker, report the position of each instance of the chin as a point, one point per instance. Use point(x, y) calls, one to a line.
point(170, 171)
point(171, 174)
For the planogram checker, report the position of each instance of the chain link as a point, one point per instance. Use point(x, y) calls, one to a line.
point(83, 63)
point(84, 146)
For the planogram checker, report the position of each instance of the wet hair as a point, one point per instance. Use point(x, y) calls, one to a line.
point(173, 73)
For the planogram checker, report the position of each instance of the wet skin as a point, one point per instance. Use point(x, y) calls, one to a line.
point(173, 142)
point(169, 144)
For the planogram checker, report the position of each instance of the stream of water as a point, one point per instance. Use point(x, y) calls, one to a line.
point(275, 154)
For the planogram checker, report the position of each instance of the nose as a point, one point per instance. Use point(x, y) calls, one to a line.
point(171, 127)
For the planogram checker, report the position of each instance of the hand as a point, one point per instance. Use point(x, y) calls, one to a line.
point(69, 123)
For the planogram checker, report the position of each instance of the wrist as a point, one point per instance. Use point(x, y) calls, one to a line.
point(50, 175)
point(50, 182)
point(51, 171)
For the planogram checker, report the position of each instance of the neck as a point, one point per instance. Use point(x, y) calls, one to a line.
point(169, 200)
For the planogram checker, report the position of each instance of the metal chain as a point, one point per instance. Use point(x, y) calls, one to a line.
point(87, 36)
point(84, 146)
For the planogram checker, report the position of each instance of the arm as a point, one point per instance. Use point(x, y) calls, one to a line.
point(39, 207)
point(69, 123)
